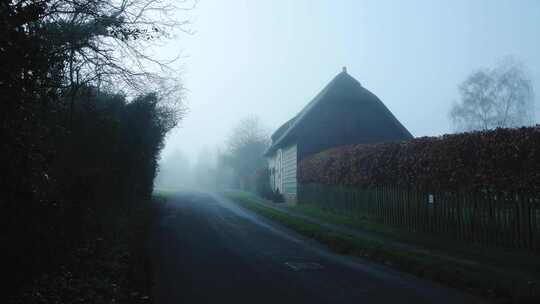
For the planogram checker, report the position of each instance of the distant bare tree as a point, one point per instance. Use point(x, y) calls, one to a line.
point(497, 97)
point(174, 172)
point(204, 170)
point(245, 148)
point(249, 130)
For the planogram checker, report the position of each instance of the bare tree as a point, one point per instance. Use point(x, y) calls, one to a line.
point(248, 130)
point(245, 148)
point(110, 42)
point(203, 173)
point(499, 97)
point(174, 172)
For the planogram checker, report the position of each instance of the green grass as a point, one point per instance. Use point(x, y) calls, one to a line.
point(477, 278)
point(511, 259)
point(164, 193)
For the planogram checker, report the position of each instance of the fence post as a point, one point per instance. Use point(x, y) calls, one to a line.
point(525, 221)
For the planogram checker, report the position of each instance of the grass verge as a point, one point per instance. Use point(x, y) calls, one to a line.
point(511, 259)
point(484, 280)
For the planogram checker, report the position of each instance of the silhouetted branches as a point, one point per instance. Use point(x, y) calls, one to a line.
point(84, 113)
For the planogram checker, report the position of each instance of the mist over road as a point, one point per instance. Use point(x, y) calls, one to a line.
point(205, 249)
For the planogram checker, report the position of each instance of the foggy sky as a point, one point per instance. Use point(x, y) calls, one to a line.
point(271, 57)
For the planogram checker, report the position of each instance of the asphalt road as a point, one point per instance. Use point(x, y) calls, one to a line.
point(208, 250)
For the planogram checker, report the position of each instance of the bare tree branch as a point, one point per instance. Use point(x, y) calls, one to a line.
point(500, 97)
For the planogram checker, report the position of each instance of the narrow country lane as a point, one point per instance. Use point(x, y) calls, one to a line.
point(208, 250)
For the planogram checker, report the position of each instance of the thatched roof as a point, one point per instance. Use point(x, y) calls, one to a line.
point(380, 117)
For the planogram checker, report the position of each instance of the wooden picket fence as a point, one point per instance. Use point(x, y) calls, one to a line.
point(500, 220)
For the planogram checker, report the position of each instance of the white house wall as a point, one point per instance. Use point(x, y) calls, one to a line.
point(289, 171)
point(283, 176)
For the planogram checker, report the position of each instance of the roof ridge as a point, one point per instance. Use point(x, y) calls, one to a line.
point(283, 132)
point(303, 112)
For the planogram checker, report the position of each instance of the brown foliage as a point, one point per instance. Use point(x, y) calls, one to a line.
point(499, 160)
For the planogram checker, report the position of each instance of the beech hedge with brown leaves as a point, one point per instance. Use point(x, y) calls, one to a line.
point(501, 160)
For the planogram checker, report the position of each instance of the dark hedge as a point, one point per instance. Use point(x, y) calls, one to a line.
point(501, 160)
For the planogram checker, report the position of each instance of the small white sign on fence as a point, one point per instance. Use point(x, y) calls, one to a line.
point(430, 199)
